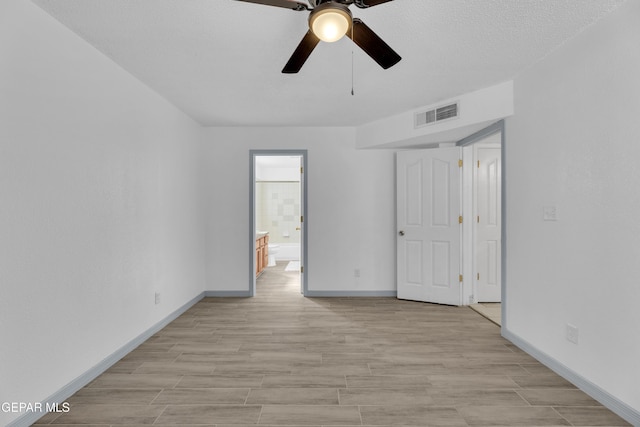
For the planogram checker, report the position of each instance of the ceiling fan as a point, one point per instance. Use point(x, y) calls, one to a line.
point(329, 21)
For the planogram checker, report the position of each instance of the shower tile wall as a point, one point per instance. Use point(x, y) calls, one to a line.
point(278, 210)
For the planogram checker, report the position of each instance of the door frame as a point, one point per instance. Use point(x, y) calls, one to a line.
point(480, 135)
point(252, 210)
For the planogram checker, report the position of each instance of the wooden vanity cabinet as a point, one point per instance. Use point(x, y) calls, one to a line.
point(262, 253)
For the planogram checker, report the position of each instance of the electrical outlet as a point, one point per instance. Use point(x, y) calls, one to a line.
point(572, 333)
point(356, 272)
point(157, 297)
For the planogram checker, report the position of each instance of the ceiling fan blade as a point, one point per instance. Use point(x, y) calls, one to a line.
point(369, 3)
point(302, 52)
point(288, 4)
point(373, 45)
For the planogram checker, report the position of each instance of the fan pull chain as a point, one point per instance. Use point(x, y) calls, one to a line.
point(352, 93)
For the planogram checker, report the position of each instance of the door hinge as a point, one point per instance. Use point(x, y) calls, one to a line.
point(301, 269)
point(460, 278)
point(301, 169)
point(478, 276)
point(478, 219)
point(460, 163)
point(478, 164)
point(301, 218)
point(460, 219)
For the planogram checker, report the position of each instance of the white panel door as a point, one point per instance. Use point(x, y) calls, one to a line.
point(488, 224)
point(429, 232)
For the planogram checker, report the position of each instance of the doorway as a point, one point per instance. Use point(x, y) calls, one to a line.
point(488, 219)
point(278, 221)
point(486, 247)
point(450, 217)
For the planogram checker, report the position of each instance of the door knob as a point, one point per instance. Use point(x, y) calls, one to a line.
point(401, 233)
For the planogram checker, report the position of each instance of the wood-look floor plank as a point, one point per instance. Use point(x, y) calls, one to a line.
point(282, 359)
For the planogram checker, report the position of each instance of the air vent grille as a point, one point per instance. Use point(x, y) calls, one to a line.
point(445, 112)
point(425, 118)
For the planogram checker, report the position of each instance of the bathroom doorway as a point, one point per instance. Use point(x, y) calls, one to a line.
point(277, 221)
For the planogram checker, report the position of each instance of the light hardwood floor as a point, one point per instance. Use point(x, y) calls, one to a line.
point(281, 359)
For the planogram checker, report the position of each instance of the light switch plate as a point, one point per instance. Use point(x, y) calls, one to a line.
point(549, 213)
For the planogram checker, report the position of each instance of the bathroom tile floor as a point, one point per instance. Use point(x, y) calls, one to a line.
point(280, 359)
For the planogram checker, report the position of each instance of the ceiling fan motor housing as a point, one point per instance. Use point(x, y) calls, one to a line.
point(336, 17)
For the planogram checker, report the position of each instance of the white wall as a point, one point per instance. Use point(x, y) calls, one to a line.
point(98, 206)
point(477, 110)
point(351, 207)
point(573, 144)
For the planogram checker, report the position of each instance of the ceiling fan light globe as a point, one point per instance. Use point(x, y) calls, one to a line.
point(330, 24)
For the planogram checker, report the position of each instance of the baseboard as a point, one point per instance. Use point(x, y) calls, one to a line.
point(227, 294)
point(338, 294)
point(68, 390)
point(621, 409)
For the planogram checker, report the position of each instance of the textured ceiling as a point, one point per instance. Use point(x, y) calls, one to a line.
point(220, 60)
